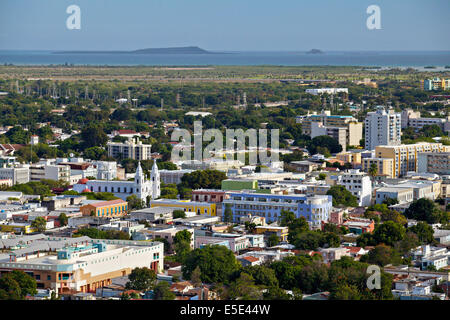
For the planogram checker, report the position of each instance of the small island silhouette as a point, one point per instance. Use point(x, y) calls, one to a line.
point(315, 51)
point(173, 50)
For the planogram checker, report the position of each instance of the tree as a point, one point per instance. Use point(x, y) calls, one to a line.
point(40, 224)
point(341, 196)
point(216, 263)
point(395, 216)
point(322, 176)
point(389, 233)
point(203, 179)
point(94, 153)
point(276, 293)
point(382, 255)
point(263, 276)
point(318, 143)
point(424, 232)
point(196, 277)
point(182, 244)
point(244, 288)
point(424, 210)
point(373, 171)
point(167, 247)
point(63, 220)
point(134, 202)
point(141, 279)
point(286, 218)
point(273, 240)
point(93, 136)
point(16, 285)
point(228, 214)
point(179, 214)
point(162, 292)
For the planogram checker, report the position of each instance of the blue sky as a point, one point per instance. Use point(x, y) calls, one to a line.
point(274, 25)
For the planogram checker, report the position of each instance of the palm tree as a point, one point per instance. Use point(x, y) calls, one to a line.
point(373, 171)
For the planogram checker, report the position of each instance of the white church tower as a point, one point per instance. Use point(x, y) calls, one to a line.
point(139, 182)
point(155, 179)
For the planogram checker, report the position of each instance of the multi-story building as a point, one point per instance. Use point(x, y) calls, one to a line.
point(314, 208)
point(351, 157)
point(405, 156)
point(350, 135)
point(81, 264)
point(326, 90)
point(359, 184)
point(111, 209)
point(433, 162)
point(187, 205)
point(436, 84)
point(385, 166)
point(142, 187)
point(49, 171)
point(401, 194)
point(130, 149)
point(173, 176)
point(17, 175)
point(382, 128)
point(328, 120)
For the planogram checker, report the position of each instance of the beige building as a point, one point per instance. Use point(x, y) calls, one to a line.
point(405, 156)
point(385, 166)
point(130, 149)
point(350, 157)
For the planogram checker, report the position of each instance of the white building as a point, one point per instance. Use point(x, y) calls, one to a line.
point(326, 90)
point(17, 175)
point(382, 128)
point(173, 176)
point(141, 186)
point(130, 149)
point(359, 184)
point(49, 171)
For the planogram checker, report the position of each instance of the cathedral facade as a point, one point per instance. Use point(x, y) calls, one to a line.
point(145, 189)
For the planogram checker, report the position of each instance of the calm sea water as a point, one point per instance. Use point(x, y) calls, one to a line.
point(382, 59)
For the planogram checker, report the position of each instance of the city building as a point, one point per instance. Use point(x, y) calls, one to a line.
point(326, 90)
point(359, 184)
point(382, 128)
point(133, 148)
point(41, 171)
point(142, 187)
point(173, 176)
point(402, 195)
point(436, 84)
point(18, 175)
point(405, 156)
point(113, 208)
point(385, 166)
point(80, 264)
point(433, 162)
point(350, 135)
point(187, 205)
point(315, 208)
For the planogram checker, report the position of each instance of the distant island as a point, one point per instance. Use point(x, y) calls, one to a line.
point(315, 51)
point(173, 50)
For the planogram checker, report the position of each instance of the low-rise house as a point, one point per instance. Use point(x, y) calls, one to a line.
point(332, 254)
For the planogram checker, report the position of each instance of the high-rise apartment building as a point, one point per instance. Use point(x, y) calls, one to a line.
point(382, 128)
point(405, 156)
point(130, 149)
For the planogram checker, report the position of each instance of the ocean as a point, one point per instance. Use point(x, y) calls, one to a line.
point(417, 59)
